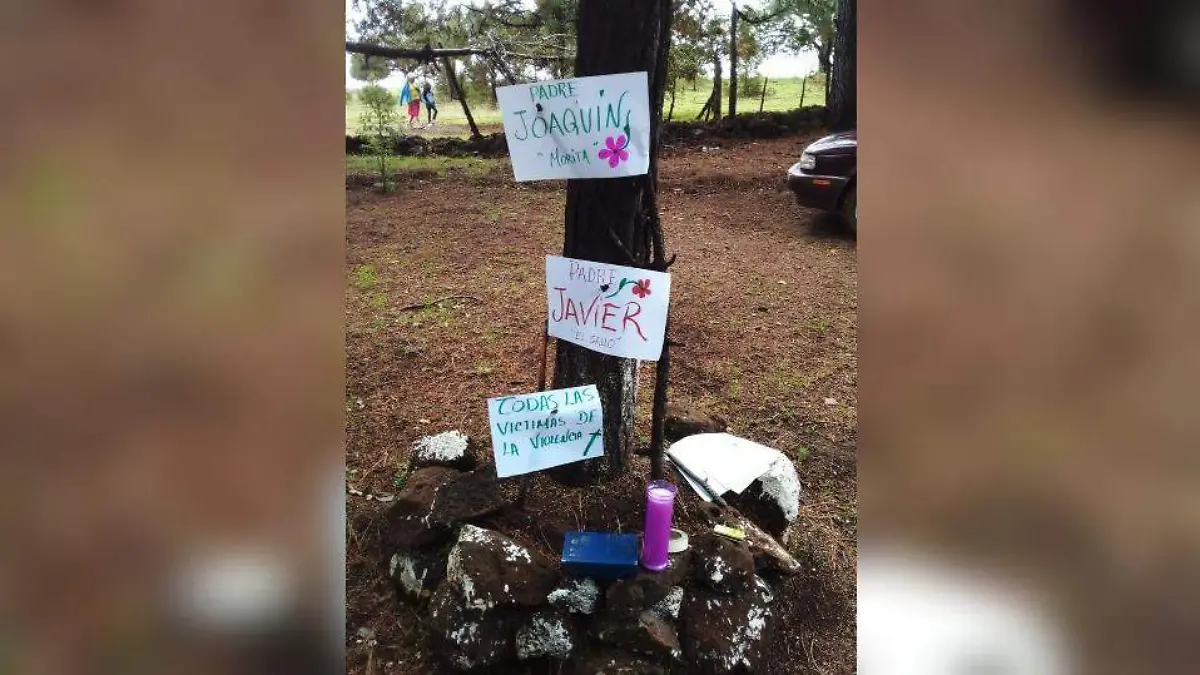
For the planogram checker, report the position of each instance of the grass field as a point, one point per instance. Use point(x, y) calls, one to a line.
point(781, 95)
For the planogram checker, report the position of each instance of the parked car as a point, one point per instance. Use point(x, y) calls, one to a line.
point(826, 176)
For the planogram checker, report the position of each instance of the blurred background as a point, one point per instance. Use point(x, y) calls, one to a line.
point(171, 185)
point(1028, 324)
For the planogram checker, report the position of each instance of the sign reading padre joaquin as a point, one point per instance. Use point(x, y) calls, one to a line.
point(611, 309)
point(584, 127)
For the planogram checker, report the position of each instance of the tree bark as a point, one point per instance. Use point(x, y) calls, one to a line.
point(826, 67)
point(717, 94)
point(491, 77)
point(843, 101)
point(625, 207)
point(674, 87)
point(462, 96)
point(733, 61)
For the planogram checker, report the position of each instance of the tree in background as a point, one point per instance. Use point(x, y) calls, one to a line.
point(800, 25)
point(843, 90)
point(701, 35)
point(369, 68)
point(378, 123)
point(744, 48)
point(688, 55)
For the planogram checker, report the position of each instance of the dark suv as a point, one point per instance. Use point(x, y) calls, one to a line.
point(826, 176)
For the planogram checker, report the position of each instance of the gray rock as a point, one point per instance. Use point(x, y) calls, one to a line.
point(647, 633)
point(722, 565)
point(773, 500)
point(407, 520)
point(630, 597)
point(487, 569)
point(577, 596)
point(451, 449)
point(668, 607)
point(545, 634)
point(417, 572)
point(466, 637)
point(465, 496)
point(726, 633)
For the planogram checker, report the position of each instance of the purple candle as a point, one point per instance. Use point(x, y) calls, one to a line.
point(656, 537)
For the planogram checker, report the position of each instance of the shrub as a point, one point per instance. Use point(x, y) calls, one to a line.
point(379, 125)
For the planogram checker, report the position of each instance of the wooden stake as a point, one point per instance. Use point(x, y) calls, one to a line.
point(658, 413)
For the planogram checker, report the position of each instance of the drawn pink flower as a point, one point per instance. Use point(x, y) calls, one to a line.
point(615, 153)
point(642, 288)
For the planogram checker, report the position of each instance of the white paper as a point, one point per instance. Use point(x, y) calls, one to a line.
point(531, 432)
point(611, 309)
point(587, 127)
point(728, 462)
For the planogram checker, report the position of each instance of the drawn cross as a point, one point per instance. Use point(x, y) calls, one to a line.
point(595, 435)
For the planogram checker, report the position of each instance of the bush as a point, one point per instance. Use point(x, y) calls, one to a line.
point(379, 125)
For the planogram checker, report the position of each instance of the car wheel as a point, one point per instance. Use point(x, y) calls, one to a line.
point(850, 209)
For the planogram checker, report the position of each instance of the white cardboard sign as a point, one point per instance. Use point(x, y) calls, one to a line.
point(584, 127)
point(611, 309)
point(531, 432)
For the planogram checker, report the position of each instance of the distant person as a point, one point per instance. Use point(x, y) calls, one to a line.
point(430, 104)
point(409, 95)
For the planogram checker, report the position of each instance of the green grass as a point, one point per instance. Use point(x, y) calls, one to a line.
point(473, 166)
point(449, 114)
point(365, 277)
point(781, 95)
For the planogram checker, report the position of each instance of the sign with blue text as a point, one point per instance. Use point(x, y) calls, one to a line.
point(584, 127)
point(611, 309)
point(531, 432)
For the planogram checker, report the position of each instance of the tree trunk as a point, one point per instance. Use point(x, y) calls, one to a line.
point(674, 86)
point(462, 97)
point(803, 86)
point(717, 95)
point(597, 209)
point(491, 76)
point(823, 63)
point(733, 61)
point(763, 96)
point(843, 101)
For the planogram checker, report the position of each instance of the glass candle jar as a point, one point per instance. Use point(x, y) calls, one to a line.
point(656, 535)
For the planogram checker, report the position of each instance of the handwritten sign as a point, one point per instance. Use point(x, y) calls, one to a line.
point(584, 127)
point(611, 309)
point(531, 432)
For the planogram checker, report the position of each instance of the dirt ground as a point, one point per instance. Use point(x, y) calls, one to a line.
point(764, 302)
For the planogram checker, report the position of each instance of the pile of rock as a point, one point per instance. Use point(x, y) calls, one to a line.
point(491, 602)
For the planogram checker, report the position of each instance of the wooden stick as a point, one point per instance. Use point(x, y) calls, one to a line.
point(542, 367)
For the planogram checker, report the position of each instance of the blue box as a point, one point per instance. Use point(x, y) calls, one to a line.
point(600, 555)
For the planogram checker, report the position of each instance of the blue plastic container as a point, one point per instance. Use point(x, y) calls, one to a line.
point(600, 555)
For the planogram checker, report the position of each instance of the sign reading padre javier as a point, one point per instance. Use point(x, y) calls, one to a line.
point(584, 127)
point(611, 309)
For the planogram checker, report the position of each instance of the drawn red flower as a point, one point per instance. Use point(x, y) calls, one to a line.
point(642, 288)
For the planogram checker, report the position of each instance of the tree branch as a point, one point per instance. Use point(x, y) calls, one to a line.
point(429, 54)
point(754, 21)
point(420, 54)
